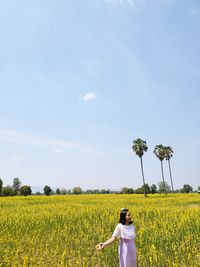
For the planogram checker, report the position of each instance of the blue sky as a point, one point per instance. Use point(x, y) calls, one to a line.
point(80, 80)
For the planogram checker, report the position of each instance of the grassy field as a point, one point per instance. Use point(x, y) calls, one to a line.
point(63, 230)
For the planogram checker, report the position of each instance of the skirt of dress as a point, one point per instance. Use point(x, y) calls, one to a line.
point(127, 253)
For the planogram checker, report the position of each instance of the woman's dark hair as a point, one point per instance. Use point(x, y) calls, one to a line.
point(122, 219)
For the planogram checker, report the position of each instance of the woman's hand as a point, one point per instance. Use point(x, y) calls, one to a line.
point(99, 246)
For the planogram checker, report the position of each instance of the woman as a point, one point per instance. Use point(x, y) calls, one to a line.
point(126, 232)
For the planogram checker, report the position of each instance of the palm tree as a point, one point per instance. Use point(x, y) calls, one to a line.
point(168, 154)
point(139, 147)
point(159, 151)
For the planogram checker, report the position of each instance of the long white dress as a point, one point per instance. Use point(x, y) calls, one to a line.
point(127, 250)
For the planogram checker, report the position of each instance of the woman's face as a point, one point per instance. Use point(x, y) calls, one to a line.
point(128, 217)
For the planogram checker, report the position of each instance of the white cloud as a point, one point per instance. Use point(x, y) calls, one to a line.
point(89, 96)
point(57, 144)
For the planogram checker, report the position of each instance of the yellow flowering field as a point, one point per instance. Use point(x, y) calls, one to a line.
point(63, 230)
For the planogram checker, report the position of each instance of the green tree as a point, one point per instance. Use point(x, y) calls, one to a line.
point(131, 191)
point(1, 187)
point(63, 191)
point(139, 190)
point(147, 188)
point(104, 191)
point(139, 147)
point(153, 189)
point(163, 186)
point(186, 188)
point(16, 185)
point(96, 191)
point(126, 190)
point(8, 191)
point(58, 191)
point(198, 189)
point(143, 189)
point(159, 151)
point(168, 155)
point(47, 190)
point(25, 190)
point(77, 190)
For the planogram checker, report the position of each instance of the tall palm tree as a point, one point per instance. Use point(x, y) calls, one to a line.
point(139, 147)
point(168, 155)
point(159, 151)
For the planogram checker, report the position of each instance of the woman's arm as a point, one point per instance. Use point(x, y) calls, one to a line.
point(106, 243)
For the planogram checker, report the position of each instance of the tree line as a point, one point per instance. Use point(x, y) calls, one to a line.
point(139, 146)
point(25, 190)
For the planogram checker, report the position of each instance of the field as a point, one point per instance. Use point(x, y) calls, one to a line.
point(63, 230)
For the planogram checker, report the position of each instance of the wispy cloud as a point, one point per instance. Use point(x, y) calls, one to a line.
point(89, 96)
point(131, 3)
point(42, 77)
point(194, 11)
point(16, 159)
point(57, 144)
point(58, 150)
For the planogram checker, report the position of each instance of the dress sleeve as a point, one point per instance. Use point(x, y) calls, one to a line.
point(117, 232)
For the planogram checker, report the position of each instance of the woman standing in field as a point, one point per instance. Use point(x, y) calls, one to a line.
point(126, 232)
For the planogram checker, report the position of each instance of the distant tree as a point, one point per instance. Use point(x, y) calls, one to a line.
point(198, 189)
point(7, 191)
point(153, 189)
point(147, 188)
point(1, 187)
point(159, 151)
point(139, 147)
point(168, 155)
point(88, 191)
point(47, 190)
point(77, 190)
point(52, 192)
point(163, 186)
point(126, 190)
point(105, 191)
point(69, 192)
point(139, 190)
point(177, 191)
point(38, 193)
point(142, 189)
point(58, 191)
point(16, 185)
point(63, 191)
point(96, 191)
point(131, 191)
point(102, 191)
point(186, 188)
point(25, 190)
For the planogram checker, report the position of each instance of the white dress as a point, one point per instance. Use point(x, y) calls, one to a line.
point(127, 250)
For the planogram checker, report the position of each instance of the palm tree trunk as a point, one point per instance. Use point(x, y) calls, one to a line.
point(171, 176)
point(143, 176)
point(163, 177)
